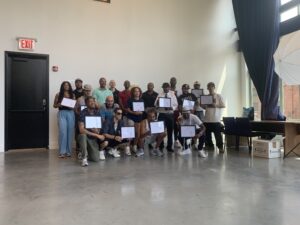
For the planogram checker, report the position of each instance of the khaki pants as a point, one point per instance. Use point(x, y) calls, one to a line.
point(89, 147)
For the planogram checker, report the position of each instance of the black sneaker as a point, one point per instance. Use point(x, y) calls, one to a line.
point(150, 146)
point(170, 150)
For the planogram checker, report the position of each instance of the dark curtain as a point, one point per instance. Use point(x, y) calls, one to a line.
point(258, 28)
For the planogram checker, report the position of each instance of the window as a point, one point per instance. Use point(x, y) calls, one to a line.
point(291, 13)
point(285, 1)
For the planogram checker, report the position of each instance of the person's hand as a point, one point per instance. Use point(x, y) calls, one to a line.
point(138, 113)
point(118, 138)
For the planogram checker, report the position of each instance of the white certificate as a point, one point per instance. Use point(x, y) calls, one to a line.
point(138, 106)
point(68, 102)
point(157, 127)
point(206, 99)
point(82, 107)
point(188, 104)
point(93, 122)
point(197, 92)
point(127, 132)
point(188, 131)
point(164, 102)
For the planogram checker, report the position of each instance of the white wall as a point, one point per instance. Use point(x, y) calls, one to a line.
point(138, 40)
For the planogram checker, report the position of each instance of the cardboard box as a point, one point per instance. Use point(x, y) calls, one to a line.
point(266, 148)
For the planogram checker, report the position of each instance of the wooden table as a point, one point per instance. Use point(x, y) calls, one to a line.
point(289, 129)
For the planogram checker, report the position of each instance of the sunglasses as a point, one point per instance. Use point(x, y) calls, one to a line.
point(118, 113)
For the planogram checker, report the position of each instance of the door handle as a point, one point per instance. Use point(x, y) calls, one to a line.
point(44, 104)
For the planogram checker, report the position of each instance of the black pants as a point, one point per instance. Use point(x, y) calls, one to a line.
point(201, 140)
point(216, 129)
point(168, 118)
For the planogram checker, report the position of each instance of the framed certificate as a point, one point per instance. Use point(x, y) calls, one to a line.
point(206, 99)
point(197, 92)
point(188, 131)
point(157, 127)
point(138, 106)
point(68, 102)
point(164, 102)
point(188, 104)
point(93, 122)
point(127, 132)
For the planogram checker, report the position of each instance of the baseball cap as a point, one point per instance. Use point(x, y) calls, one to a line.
point(78, 80)
point(185, 86)
point(87, 87)
point(165, 85)
point(185, 110)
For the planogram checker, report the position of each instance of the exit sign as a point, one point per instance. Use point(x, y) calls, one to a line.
point(26, 43)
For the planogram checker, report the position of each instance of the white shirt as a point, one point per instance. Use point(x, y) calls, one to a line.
point(192, 120)
point(213, 115)
point(174, 103)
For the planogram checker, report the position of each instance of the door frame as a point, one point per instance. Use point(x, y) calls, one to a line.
point(9, 54)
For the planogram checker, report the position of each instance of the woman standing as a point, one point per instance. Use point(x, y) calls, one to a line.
point(135, 117)
point(66, 120)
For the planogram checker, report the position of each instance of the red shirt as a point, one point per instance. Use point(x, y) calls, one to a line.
point(123, 98)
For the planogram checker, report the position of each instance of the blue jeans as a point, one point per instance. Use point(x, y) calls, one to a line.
point(66, 126)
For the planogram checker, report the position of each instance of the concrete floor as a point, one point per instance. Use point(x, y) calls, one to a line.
point(37, 188)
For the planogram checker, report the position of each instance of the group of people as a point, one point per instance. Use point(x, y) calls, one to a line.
point(119, 109)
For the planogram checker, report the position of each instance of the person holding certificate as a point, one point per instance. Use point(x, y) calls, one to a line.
point(65, 102)
point(167, 103)
point(112, 131)
point(90, 138)
point(194, 129)
point(152, 132)
point(80, 105)
point(135, 111)
point(212, 118)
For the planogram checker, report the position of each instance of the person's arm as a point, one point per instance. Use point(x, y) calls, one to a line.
point(56, 104)
point(95, 134)
point(78, 107)
point(221, 102)
point(174, 102)
point(106, 129)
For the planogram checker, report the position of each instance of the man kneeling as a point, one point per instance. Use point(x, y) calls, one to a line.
point(151, 138)
point(188, 119)
point(90, 138)
point(112, 132)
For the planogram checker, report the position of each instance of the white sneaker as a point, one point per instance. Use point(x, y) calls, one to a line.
point(114, 153)
point(202, 154)
point(127, 151)
point(177, 145)
point(134, 148)
point(101, 155)
point(186, 151)
point(140, 152)
point(84, 162)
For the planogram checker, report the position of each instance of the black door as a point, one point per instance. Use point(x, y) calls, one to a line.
point(26, 100)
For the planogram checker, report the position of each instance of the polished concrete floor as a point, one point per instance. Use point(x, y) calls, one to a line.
point(37, 188)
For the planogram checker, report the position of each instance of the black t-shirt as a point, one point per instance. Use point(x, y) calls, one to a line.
point(189, 96)
point(133, 117)
point(116, 96)
point(78, 93)
point(149, 99)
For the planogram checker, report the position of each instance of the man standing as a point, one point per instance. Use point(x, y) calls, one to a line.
point(102, 92)
point(112, 87)
point(212, 118)
point(167, 113)
point(149, 96)
point(78, 92)
point(90, 138)
point(124, 96)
